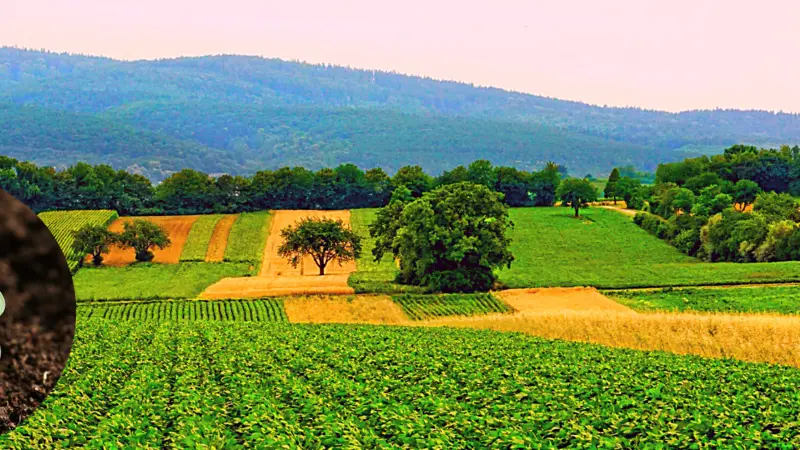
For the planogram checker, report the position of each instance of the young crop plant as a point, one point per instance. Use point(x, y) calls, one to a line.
point(422, 307)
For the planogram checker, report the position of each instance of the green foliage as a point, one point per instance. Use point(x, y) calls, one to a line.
point(423, 307)
point(62, 225)
point(325, 240)
point(576, 193)
point(745, 193)
point(94, 240)
point(149, 281)
point(607, 250)
point(261, 310)
point(143, 236)
point(449, 240)
point(631, 190)
point(772, 299)
point(196, 246)
point(264, 385)
point(611, 189)
point(776, 207)
point(248, 237)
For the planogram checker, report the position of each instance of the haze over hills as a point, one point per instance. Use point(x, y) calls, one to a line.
point(240, 114)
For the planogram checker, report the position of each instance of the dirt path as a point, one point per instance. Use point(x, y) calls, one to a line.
point(177, 228)
point(219, 238)
point(277, 277)
point(628, 212)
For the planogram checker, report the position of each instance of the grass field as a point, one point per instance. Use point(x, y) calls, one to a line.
point(373, 277)
point(262, 310)
point(63, 223)
point(422, 307)
point(206, 384)
point(768, 299)
point(196, 245)
point(148, 281)
point(605, 249)
point(248, 237)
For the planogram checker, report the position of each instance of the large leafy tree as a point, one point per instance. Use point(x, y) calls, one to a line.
point(577, 193)
point(325, 240)
point(143, 236)
point(745, 193)
point(94, 240)
point(451, 239)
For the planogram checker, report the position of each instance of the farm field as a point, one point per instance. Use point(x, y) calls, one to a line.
point(177, 227)
point(373, 309)
point(262, 310)
point(765, 299)
point(199, 238)
point(607, 250)
point(247, 237)
point(211, 384)
point(421, 307)
point(219, 238)
point(148, 281)
point(62, 223)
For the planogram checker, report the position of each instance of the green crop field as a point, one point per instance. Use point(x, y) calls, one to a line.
point(209, 384)
point(248, 237)
point(62, 223)
point(606, 249)
point(262, 310)
point(374, 277)
point(196, 245)
point(148, 281)
point(421, 307)
point(771, 299)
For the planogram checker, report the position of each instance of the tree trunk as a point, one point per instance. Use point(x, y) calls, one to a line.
point(322, 269)
point(576, 210)
point(615, 199)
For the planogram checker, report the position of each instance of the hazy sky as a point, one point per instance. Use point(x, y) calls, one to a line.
point(671, 54)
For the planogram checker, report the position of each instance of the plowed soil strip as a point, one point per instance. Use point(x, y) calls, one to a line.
point(559, 299)
point(219, 239)
point(177, 228)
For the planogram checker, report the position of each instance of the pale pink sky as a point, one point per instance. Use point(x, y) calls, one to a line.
point(671, 55)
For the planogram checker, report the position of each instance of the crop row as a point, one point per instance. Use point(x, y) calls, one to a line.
point(264, 310)
point(421, 307)
point(207, 384)
point(63, 223)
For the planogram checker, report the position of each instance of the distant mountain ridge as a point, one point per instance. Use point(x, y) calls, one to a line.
point(319, 114)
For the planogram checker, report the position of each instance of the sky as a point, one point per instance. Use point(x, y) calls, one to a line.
point(669, 55)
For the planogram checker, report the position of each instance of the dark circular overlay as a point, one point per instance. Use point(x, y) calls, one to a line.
point(38, 324)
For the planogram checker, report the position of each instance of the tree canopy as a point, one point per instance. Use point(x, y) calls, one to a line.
point(577, 193)
point(324, 240)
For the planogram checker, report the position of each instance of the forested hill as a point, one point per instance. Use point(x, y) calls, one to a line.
point(262, 113)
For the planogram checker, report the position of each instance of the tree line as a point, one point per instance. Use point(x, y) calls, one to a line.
point(738, 206)
point(85, 186)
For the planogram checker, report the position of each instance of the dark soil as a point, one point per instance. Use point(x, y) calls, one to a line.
point(38, 325)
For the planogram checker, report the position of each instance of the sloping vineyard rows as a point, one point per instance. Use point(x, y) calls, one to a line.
point(264, 310)
point(63, 223)
point(421, 307)
point(207, 384)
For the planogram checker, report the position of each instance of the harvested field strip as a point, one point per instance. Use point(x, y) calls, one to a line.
point(247, 237)
point(219, 239)
point(199, 237)
point(63, 223)
point(177, 228)
point(755, 299)
point(341, 309)
point(262, 310)
point(756, 338)
point(421, 307)
point(558, 299)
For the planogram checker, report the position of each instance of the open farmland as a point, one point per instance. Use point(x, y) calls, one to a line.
point(262, 310)
point(236, 385)
point(247, 237)
point(199, 238)
point(177, 228)
point(63, 223)
point(750, 299)
point(421, 307)
point(605, 249)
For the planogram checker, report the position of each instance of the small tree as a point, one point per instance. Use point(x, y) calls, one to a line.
point(610, 190)
point(93, 240)
point(144, 236)
point(323, 239)
point(745, 193)
point(577, 193)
